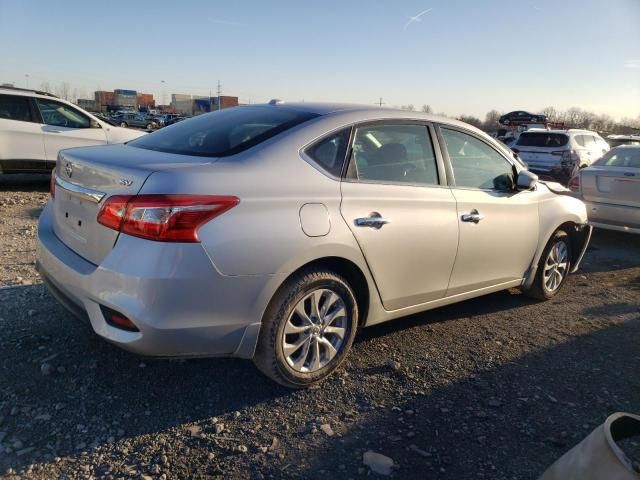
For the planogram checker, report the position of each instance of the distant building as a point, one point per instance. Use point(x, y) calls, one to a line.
point(87, 104)
point(145, 100)
point(191, 105)
point(121, 99)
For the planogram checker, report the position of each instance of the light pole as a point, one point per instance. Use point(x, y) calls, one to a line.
point(164, 102)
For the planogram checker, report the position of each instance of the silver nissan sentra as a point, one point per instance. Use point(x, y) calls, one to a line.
point(274, 232)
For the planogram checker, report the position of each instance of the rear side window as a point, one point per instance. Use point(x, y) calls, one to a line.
point(223, 133)
point(393, 154)
point(586, 141)
point(14, 107)
point(542, 139)
point(329, 153)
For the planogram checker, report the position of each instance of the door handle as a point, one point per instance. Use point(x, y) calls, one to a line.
point(474, 216)
point(374, 220)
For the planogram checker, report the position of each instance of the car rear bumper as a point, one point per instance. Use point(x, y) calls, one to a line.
point(614, 217)
point(172, 292)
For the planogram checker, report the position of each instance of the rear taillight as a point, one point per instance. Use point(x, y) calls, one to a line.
point(574, 183)
point(52, 184)
point(164, 218)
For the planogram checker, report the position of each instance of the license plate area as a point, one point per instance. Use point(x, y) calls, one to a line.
point(74, 214)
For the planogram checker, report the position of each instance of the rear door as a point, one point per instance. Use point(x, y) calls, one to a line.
point(21, 140)
point(499, 227)
point(66, 127)
point(402, 214)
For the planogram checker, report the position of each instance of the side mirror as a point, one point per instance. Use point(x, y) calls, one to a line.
point(95, 124)
point(526, 180)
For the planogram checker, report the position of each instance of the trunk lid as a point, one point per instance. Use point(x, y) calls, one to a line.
point(85, 177)
point(611, 185)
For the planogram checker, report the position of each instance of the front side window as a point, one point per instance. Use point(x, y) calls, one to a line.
point(394, 154)
point(14, 107)
point(475, 164)
point(224, 132)
point(329, 153)
point(61, 115)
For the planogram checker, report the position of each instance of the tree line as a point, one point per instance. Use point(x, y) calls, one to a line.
point(573, 117)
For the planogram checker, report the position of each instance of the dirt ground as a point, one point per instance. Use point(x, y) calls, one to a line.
point(496, 387)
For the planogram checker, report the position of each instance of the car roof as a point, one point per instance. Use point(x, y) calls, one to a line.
point(26, 92)
point(363, 112)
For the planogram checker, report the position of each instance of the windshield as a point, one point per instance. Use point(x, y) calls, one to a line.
point(223, 133)
point(542, 139)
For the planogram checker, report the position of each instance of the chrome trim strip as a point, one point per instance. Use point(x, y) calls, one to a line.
point(81, 192)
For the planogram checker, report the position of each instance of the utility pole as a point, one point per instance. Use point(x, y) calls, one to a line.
point(219, 92)
point(380, 102)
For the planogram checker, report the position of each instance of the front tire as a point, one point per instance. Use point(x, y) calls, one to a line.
point(308, 329)
point(123, 124)
point(553, 267)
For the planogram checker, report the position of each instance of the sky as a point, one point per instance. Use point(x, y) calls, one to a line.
point(460, 57)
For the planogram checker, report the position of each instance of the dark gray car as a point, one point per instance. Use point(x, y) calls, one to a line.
point(135, 120)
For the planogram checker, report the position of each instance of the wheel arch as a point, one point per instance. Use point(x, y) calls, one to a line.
point(344, 267)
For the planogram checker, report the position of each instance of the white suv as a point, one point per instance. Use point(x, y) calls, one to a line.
point(35, 126)
point(559, 153)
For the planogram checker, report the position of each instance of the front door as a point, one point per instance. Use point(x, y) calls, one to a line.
point(66, 127)
point(498, 225)
point(403, 219)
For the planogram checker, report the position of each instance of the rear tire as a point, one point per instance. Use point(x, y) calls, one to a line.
point(308, 329)
point(123, 124)
point(553, 267)
point(149, 126)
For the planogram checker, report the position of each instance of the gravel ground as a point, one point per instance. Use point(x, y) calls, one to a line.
point(496, 387)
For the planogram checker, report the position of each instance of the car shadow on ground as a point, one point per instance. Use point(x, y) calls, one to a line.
point(610, 250)
point(34, 182)
point(518, 418)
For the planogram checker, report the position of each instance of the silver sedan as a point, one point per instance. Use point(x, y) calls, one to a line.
point(274, 232)
point(611, 189)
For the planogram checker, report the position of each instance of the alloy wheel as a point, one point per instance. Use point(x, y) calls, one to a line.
point(556, 266)
point(315, 330)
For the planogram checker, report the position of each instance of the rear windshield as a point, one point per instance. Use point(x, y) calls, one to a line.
point(621, 157)
point(542, 139)
point(223, 133)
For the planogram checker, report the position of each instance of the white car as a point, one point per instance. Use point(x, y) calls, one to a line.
point(559, 153)
point(35, 126)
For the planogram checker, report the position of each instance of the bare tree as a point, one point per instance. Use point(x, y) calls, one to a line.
point(426, 109)
point(491, 123)
point(45, 87)
point(63, 90)
point(409, 107)
point(471, 120)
